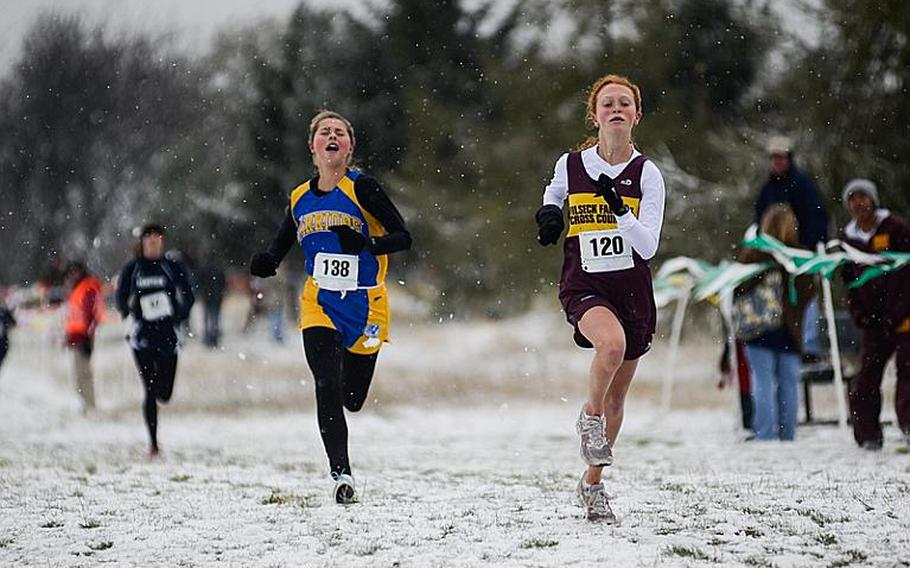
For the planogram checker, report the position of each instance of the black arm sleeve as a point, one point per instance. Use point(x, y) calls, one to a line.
point(377, 203)
point(284, 238)
point(124, 289)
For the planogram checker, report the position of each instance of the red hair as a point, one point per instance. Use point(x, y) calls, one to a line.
point(609, 79)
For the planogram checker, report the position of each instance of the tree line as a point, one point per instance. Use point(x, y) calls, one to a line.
point(460, 113)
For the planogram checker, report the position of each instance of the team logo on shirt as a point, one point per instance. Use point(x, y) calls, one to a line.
point(143, 282)
point(589, 212)
point(318, 221)
point(881, 242)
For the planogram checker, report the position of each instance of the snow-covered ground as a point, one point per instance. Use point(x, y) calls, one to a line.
point(465, 456)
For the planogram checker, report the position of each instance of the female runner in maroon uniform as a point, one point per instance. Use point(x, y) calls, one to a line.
point(615, 209)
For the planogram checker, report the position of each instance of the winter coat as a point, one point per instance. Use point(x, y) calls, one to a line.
point(86, 310)
point(883, 302)
point(797, 190)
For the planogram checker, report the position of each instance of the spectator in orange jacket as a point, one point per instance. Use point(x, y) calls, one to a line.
point(86, 310)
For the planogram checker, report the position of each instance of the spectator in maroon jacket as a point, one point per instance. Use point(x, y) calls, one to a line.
point(881, 308)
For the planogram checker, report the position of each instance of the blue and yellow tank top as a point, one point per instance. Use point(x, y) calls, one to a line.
point(314, 214)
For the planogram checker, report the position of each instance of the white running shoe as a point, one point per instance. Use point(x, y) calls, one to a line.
point(344, 490)
point(595, 450)
point(595, 501)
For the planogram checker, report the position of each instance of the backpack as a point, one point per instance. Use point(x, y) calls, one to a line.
point(759, 310)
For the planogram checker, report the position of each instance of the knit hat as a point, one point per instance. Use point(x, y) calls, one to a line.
point(780, 145)
point(860, 184)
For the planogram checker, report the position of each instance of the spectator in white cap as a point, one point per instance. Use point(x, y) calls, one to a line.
point(881, 308)
point(791, 186)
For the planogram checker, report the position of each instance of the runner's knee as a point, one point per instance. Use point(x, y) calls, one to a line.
point(609, 351)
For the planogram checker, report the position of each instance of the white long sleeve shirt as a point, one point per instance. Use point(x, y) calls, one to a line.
point(643, 232)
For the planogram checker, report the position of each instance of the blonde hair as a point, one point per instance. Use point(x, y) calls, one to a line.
point(325, 114)
point(609, 79)
point(780, 222)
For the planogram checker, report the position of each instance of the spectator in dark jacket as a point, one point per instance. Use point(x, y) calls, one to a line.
point(789, 185)
point(7, 322)
point(211, 281)
point(881, 308)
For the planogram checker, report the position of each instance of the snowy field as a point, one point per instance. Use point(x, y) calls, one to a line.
point(465, 455)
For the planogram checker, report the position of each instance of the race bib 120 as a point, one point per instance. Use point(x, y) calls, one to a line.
point(336, 272)
point(604, 251)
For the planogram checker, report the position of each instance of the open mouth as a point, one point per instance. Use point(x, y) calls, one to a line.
point(617, 119)
point(331, 147)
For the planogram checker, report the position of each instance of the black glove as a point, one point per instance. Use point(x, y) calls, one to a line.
point(263, 265)
point(607, 190)
point(549, 224)
point(352, 242)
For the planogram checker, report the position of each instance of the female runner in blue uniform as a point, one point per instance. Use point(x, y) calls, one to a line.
point(347, 226)
point(615, 207)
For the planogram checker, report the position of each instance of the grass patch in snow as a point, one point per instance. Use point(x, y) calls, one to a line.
point(827, 539)
point(277, 497)
point(90, 524)
point(91, 469)
point(686, 552)
point(853, 557)
point(664, 531)
point(677, 487)
point(447, 529)
point(368, 548)
point(51, 524)
point(103, 545)
point(816, 517)
point(181, 478)
point(5, 541)
point(539, 543)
